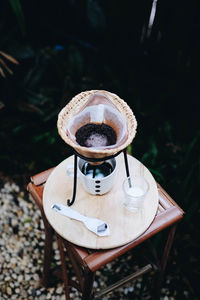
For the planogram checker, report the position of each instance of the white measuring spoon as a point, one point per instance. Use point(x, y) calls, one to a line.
point(97, 226)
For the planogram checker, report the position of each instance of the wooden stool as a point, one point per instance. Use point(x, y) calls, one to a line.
point(86, 262)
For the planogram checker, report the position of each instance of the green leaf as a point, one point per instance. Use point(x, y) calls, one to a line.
point(51, 115)
point(191, 146)
point(40, 137)
point(152, 153)
point(129, 149)
point(188, 178)
point(27, 221)
point(75, 60)
point(95, 14)
point(157, 174)
point(18, 128)
point(17, 9)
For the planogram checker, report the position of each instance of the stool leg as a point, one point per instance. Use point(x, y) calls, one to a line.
point(160, 275)
point(47, 255)
point(88, 285)
point(64, 270)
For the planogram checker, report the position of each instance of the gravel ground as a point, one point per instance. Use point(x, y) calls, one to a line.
point(21, 256)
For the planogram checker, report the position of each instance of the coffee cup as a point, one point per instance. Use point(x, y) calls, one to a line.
point(96, 180)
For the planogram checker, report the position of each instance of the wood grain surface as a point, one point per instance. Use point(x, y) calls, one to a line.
point(125, 226)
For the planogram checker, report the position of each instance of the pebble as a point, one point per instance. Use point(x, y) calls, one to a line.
point(131, 289)
point(9, 290)
point(24, 294)
point(27, 277)
point(59, 290)
point(7, 278)
point(55, 245)
point(14, 222)
point(38, 292)
point(2, 243)
point(42, 297)
point(57, 256)
point(138, 285)
point(186, 293)
point(36, 277)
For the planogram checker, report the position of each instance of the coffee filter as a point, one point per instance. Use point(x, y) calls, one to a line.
point(97, 107)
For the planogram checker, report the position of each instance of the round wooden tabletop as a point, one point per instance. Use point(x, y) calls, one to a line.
point(125, 225)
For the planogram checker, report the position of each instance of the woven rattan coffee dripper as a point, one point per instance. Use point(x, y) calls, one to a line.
point(116, 113)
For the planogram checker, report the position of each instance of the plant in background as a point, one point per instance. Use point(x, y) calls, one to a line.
point(5, 59)
point(17, 10)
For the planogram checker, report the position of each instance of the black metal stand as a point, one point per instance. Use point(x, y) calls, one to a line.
point(127, 168)
point(69, 203)
point(89, 159)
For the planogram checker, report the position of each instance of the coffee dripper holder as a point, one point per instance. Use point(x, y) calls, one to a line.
point(83, 109)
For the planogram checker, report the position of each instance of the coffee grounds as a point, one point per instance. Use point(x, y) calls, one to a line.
point(95, 135)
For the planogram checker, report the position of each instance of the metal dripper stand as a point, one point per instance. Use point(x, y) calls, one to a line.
point(76, 155)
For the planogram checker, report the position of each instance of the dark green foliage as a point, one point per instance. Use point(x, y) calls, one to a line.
point(17, 9)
